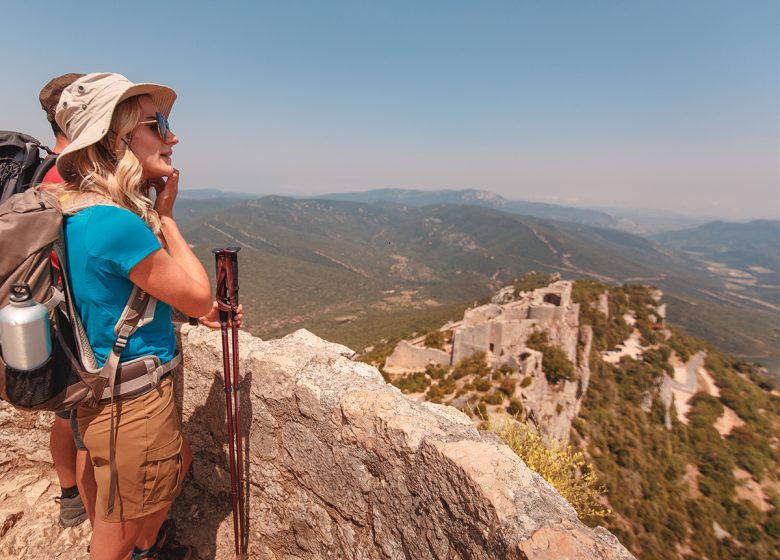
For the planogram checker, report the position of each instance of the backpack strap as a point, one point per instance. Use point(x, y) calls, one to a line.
point(128, 323)
point(73, 203)
point(43, 169)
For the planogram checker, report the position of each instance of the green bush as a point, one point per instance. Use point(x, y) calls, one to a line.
point(555, 364)
point(515, 407)
point(434, 339)
point(482, 385)
point(416, 382)
point(658, 359)
point(508, 385)
point(436, 371)
point(434, 394)
point(447, 385)
point(472, 365)
point(527, 380)
point(531, 281)
point(496, 397)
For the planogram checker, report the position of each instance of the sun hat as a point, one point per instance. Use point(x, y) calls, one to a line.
point(50, 94)
point(87, 105)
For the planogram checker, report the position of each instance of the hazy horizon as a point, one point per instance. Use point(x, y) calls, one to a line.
point(664, 105)
point(648, 211)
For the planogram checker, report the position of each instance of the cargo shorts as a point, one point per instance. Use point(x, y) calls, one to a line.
point(148, 452)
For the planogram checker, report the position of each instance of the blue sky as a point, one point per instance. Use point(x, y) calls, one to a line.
point(660, 104)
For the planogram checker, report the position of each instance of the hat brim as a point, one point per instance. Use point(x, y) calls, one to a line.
point(163, 98)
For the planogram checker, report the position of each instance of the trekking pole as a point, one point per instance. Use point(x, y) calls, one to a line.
point(227, 303)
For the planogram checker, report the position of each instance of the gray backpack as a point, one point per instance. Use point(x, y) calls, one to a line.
point(33, 251)
point(21, 164)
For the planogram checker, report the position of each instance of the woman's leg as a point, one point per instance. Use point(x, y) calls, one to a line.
point(114, 541)
point(63, 451)
point(148, 535)
point(85, 478)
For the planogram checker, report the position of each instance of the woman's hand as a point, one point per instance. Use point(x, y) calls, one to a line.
point(211, 319)
point(166, 189)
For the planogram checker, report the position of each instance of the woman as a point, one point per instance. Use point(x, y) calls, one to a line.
point(121, 147)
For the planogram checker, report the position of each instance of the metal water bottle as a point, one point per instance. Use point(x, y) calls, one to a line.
point(24, 330)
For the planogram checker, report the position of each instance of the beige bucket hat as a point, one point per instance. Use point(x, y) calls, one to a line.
point(87, 105)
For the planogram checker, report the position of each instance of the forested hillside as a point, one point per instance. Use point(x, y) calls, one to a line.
point(681, 437)
point(707, 487)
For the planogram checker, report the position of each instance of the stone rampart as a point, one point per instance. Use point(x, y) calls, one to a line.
point(409, 357)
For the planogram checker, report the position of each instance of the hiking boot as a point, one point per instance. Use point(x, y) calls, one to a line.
point(166, 533)
point(72, 511)
point(171, 551)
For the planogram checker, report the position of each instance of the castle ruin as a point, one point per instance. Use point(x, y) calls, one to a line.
point(501, 330)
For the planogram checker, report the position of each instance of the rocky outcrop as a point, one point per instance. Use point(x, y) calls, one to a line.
point(339, 465)
point(552, 407)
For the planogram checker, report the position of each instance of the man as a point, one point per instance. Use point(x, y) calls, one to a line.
point(71, 459)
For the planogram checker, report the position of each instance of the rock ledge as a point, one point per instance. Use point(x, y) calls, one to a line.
point(339, 464)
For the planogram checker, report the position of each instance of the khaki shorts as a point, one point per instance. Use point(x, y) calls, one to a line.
point(148, 452)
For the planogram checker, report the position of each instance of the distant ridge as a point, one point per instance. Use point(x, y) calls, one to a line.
point(486, 199)
point(204, 194)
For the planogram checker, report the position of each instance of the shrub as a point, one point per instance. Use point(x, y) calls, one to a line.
point(482, 385)
point(434, 394)
point(527, 380)
point(515, 407)
point(471, 365)
point(416, 382)
point(531, 281)
point(555, 364)
point(684, 344)
point(496, 397)
point(508, 385)
point(658, 358)
point(565, 469)
point(436, 371)
point(447, 385)
point(434, 339)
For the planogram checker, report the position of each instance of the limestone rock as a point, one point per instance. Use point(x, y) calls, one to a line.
point(338, 464)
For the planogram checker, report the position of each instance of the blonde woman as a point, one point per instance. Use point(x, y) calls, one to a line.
point(121, 148)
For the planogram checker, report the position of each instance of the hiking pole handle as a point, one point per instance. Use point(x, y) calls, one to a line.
point(227, 277)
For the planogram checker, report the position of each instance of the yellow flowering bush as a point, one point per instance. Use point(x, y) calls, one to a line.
point(565, 469)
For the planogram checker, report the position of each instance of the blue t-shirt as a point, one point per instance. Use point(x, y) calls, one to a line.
point(103, 244)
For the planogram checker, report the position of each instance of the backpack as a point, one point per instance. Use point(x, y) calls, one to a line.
point(21, 165)
point(71, 376)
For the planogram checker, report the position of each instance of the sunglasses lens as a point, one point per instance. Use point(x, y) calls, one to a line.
point(162, 125)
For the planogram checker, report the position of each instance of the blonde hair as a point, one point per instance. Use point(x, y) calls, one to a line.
point(109, 167)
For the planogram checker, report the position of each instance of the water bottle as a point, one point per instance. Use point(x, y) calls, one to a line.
point(24, 330)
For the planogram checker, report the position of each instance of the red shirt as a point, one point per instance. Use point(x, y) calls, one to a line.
point(52, 176)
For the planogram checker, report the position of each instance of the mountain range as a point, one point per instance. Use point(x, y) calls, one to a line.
point(358, 272)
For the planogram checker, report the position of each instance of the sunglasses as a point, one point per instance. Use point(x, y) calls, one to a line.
point(160, 123)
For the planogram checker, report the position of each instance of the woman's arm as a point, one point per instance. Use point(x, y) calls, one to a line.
point(176, 276)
